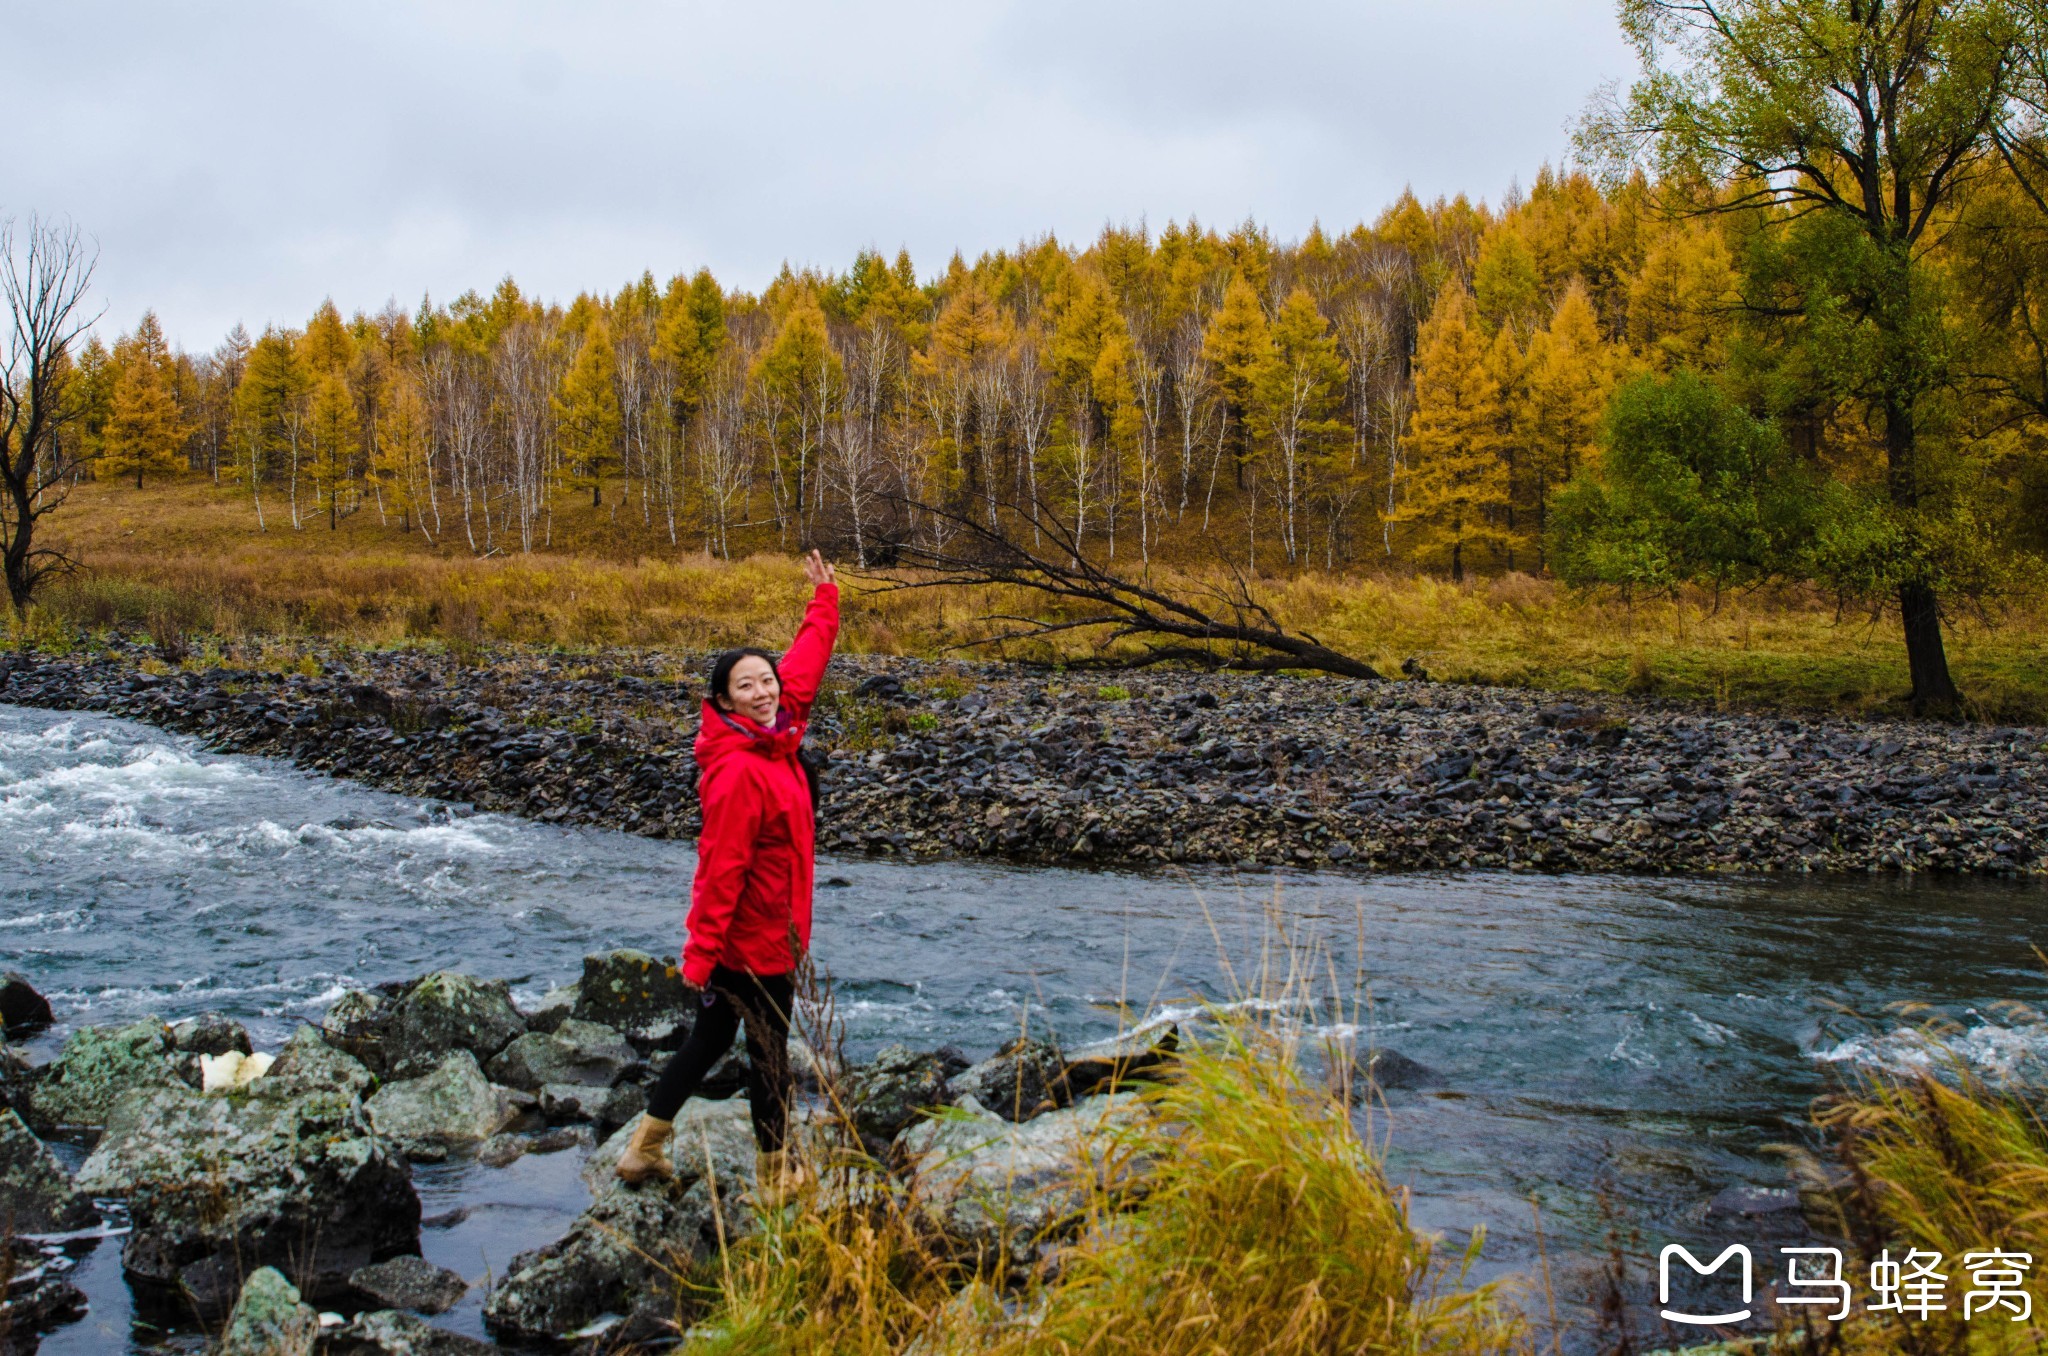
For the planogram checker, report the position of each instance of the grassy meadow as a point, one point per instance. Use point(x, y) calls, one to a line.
point(193, 557)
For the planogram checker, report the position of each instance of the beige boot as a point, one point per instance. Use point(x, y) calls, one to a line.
point(647, 1152)
point(777, 1176)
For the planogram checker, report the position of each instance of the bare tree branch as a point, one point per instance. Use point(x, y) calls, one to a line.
point(1208, 625)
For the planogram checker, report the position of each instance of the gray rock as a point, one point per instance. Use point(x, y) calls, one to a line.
point(410, 1283)
point(38, 1296)
point(563, 1137)
point(574, 1052)
point(501, 1150)
point(210, 1033)
point(269, 1319)
point(308, 1060)
point(1108, 1065)
point(23, 1010)
point(634, 993)
point(993, 1187)
point(98, 1064)
point(887, 1094)
point(36, 1195)
point(444, 1012)
point(357, 1015)
point(556, 1006)
point(1745, 1202)
point(561, 1102)
point(388, 1332)
point(1390, 1070)
point(616, 1254)
point(454, 1104)
point(1017, 1082)
point(274, 1176)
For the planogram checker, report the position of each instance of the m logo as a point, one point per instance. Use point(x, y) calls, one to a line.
point(1704, 1269)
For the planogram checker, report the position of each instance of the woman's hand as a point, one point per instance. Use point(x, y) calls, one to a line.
point(818, 571)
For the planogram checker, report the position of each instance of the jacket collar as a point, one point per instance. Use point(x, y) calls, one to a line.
point(723, 732)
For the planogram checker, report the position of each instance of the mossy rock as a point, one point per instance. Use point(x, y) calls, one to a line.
point(636, 994)
point(98, 1065)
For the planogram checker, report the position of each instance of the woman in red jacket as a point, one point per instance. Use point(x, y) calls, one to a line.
point(750, 905)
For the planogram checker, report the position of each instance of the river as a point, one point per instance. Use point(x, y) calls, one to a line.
point(1615, 1050)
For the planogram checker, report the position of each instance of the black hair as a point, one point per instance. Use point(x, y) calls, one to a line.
point(722, 667)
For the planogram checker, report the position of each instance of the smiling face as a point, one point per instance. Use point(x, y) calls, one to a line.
point(752, 690)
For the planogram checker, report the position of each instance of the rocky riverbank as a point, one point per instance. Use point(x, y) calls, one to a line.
point(271, 1194)
point(989, 760)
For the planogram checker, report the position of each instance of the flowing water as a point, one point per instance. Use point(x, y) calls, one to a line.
point(1611, 1051)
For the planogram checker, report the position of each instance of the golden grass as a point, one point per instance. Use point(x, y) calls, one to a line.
point(192, 556)
point(1264, 1228)
point(1947, 1163)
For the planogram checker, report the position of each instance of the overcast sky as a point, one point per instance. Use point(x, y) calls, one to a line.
point(242, 161)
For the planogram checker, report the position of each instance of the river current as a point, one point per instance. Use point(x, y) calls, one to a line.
point(1611, 1051)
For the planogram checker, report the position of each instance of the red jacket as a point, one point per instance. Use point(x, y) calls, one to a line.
point(752, 893)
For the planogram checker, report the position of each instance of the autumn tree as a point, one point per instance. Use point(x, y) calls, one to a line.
point(1300, 393)
point(799, 375)
point(1238, 345)
point(272, 411)
point(1853, 127)
point(146, 431)
point(402, 474)
point(1569, 376)
point(587, 411)
point(1456, 496)
point(334, 433)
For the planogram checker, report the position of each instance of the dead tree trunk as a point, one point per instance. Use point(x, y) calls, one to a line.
point(1214, 627)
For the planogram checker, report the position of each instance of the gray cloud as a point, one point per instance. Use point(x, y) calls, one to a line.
point(242, 161)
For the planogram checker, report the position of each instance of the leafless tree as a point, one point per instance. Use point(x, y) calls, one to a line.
point(1223, 627)
point(44, 277)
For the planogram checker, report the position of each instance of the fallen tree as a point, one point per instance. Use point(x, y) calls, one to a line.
point(1205, 625)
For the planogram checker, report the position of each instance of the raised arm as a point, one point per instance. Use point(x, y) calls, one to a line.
point(803, 664)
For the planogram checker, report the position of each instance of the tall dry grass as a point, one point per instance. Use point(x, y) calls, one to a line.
point(186, 557)
point(1263, 1227)
point(1944, 1161)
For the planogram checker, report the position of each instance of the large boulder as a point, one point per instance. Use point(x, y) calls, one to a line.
point(23, 1010)
point(636, 994)
point(388, 1332)
point(276, 1175)
point(993, 1187)
point(97, 1065)
point(410, 1283)
point(714, 1138)
point(309, 1061)
point(269, 1319)
point(614, 1257)
point(1017, 1082)
point(444, 1012)
point(454, 1104)
point(575, 1051)
point(36, 1195)
point(894, 1089)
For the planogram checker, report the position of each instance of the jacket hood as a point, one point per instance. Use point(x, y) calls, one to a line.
point(723, 734)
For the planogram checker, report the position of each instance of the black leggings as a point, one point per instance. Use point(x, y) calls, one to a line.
point(734, 997)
